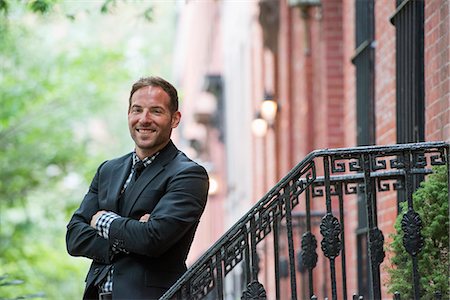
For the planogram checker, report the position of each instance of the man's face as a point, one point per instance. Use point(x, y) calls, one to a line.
point(150, 120)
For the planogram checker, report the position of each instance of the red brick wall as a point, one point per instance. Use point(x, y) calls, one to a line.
point(317, 95)
point(299, 72)
point(333, 95)
point(385, 73)
point(319, 89)
point(284, 125)
point(349, 127)
point(437, 65)
point(349, 86)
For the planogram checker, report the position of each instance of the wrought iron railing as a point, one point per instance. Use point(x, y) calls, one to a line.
point(272, 222)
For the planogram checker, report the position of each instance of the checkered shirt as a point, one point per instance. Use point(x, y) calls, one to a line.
point(103, 223)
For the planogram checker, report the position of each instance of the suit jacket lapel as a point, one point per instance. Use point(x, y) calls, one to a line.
point(150, 172)
point(120, 173)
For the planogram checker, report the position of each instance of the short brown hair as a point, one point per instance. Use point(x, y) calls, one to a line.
point(159, 82)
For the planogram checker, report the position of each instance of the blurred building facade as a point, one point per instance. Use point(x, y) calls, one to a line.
point(342, 72)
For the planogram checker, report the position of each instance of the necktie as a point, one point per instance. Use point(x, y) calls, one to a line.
point(138, 168)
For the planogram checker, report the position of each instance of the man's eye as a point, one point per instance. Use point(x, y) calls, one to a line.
point(136, 109)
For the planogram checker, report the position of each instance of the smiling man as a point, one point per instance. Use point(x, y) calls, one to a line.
point(137, 221)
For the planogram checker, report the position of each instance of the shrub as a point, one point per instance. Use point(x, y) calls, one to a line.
point(431, 202)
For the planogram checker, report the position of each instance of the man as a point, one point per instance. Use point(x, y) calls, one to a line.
point(138, 219)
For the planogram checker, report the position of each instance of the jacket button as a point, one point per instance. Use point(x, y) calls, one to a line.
point(96, 270)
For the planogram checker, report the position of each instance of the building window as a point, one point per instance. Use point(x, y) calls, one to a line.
point(408, 20)
point(364, 61)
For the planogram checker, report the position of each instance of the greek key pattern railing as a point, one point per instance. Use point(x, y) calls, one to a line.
point(271, 225)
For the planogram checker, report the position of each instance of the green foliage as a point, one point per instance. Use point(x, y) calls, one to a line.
point(47, 6)
point(64, 84)
point(41, 6)
point(36, 6)
point(45, 96)
point(431, 202)
point(48, 96)
point(5, 281)
point(106, 6)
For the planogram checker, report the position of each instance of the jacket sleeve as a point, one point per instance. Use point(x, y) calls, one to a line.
point(175, 214)
point(81, 238)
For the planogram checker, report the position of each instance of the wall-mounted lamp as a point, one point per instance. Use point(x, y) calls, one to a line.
point(265, 117)
point(259, 126)
point(269, 108)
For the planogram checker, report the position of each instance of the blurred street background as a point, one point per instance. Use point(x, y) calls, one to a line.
point(261, 83)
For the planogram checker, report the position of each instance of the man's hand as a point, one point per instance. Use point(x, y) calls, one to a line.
point(144, 218)
point(95, 217)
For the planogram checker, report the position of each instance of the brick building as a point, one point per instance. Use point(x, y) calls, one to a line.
point(343, 73)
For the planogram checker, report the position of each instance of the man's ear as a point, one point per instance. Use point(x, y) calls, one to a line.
point(176, 117)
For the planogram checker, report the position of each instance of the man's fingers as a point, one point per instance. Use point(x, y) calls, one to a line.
point(96, 216)
point(144, 218)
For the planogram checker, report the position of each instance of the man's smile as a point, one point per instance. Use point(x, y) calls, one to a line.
point(145, 130)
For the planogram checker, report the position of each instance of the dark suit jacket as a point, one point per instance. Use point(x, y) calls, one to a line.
point(173, 189)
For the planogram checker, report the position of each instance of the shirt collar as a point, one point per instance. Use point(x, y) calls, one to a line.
point(146, 161)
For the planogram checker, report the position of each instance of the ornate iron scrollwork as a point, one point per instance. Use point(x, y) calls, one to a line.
point(378, 163)
point(376, 240)
point(352, 187)
point(265, 221)
point(384, 184)
point(438, 158)
point(386, 168)
point(411, 226)
point(398, 162)
point(339, 164)
point(254, 291)
point(419, 160)
point(306, 177)
point(318, 189)
point(308, 253)
point(203, 283)
point(234, 249)
point(330, 230)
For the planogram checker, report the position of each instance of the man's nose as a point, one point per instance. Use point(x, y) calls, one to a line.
point(145, 117)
